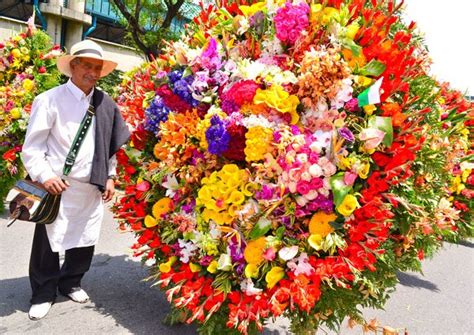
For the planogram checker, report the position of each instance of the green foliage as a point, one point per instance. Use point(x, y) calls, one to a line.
point(110, 83)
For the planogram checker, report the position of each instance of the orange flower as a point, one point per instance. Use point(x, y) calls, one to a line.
point(394, 110)
point(319, 223)
point(161, 207)
point(253, 252)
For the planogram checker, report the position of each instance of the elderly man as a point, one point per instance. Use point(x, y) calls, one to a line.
point(55, 120)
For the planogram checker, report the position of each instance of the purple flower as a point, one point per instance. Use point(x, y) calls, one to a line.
point(229, 106)
point(210, 58)
point(188, 208)
point(352, 105)
point(183, 89)
point(346, 134)
point(266, 193)
point(217, 136)
point(175, 75)
point(155, 114)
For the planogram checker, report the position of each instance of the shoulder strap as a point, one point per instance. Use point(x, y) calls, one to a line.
point(78, 140)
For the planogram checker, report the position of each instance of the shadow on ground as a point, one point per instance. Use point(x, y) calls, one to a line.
point(117, 291)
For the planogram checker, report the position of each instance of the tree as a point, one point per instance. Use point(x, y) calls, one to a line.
point(148, 22)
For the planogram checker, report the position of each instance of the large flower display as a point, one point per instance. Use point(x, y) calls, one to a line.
point(27, 68)
point(287, 159)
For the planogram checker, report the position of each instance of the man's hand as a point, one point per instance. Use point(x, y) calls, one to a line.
point(109, 190)
point(55, 185)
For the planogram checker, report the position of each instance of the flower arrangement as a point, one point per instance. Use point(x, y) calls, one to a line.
point(27, 68)
point(287, 159)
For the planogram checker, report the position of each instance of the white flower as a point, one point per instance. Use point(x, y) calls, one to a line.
point(257, 120)
point(301, 265)
point(248, 287)
point(171, 184)
point(224, 263)
point(187, 250)
point(288, 253)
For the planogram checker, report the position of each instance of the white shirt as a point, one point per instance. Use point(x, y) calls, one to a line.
point(55, 119)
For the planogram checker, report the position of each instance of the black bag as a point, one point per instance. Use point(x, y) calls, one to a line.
point(30, 201)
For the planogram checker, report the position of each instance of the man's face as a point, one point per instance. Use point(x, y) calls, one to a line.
point(86, 72)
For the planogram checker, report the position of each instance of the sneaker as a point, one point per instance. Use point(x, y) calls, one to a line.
point(39, 311)
point(78, 295)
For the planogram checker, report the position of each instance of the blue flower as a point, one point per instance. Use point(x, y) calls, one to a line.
point(155, 114)
point(175, 75)
point(183, 89)
point(217, 136)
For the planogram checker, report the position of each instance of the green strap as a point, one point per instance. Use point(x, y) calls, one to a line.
point(78, 140)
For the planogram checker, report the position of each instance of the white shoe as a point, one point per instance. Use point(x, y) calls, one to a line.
point(39, 311)
point(79, 295)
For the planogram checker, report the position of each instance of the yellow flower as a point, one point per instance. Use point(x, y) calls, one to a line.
point(253, 252)
point(274, 275)
point(161, 207)
point(212, 267)
point(315, 240)
point(28, 85)
point(16, 53)
point(352, 30)
point(15, 113)
point(166, 267)
point(345, 162)
point(150, 221)
point(251, 271)
point(258, 143)
point(348, 205)
point(457, 185)
point(369, 109)
point(194, 267)
point(466, 173)
point(319, 223)
point(364, 170)
point(277, 98)
point(251, 10)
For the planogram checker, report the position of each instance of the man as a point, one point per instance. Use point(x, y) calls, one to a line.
point(55, 119)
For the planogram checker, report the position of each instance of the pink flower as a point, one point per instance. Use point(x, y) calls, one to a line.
point(349, 178)
point(290, 21)
point(316, 183)
point(303, 187)
point(269, 254)
point(372, 137)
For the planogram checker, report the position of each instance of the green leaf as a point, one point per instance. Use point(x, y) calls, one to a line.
point(262, 226)
point(339, 188)
point(352, 46)
point(384, 124)
point(373, 68)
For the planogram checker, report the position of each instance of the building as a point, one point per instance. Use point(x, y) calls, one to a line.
point(70, 21)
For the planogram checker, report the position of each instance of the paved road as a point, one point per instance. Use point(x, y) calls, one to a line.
point(441, 302)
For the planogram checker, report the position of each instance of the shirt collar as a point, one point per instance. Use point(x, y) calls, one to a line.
point(77, 92)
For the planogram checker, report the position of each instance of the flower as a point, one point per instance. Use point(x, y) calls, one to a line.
point(348, 205)
point(253, 252)
point(162, 207)
point(320, 223)
point(274, 276)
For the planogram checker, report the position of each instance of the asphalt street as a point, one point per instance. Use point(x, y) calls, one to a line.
point(440, 302)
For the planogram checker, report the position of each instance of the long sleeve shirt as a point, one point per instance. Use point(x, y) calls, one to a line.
point(55, 119)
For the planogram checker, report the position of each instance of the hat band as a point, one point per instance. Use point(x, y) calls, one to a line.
point(87, 51)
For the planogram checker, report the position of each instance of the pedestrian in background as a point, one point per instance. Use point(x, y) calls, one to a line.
point(55, 119)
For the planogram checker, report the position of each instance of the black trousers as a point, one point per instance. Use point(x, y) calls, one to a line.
point(46, 277)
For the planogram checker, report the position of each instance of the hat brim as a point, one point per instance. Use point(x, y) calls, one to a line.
point(64, 64)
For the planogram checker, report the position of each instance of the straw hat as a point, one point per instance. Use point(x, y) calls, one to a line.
point(85, 49)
